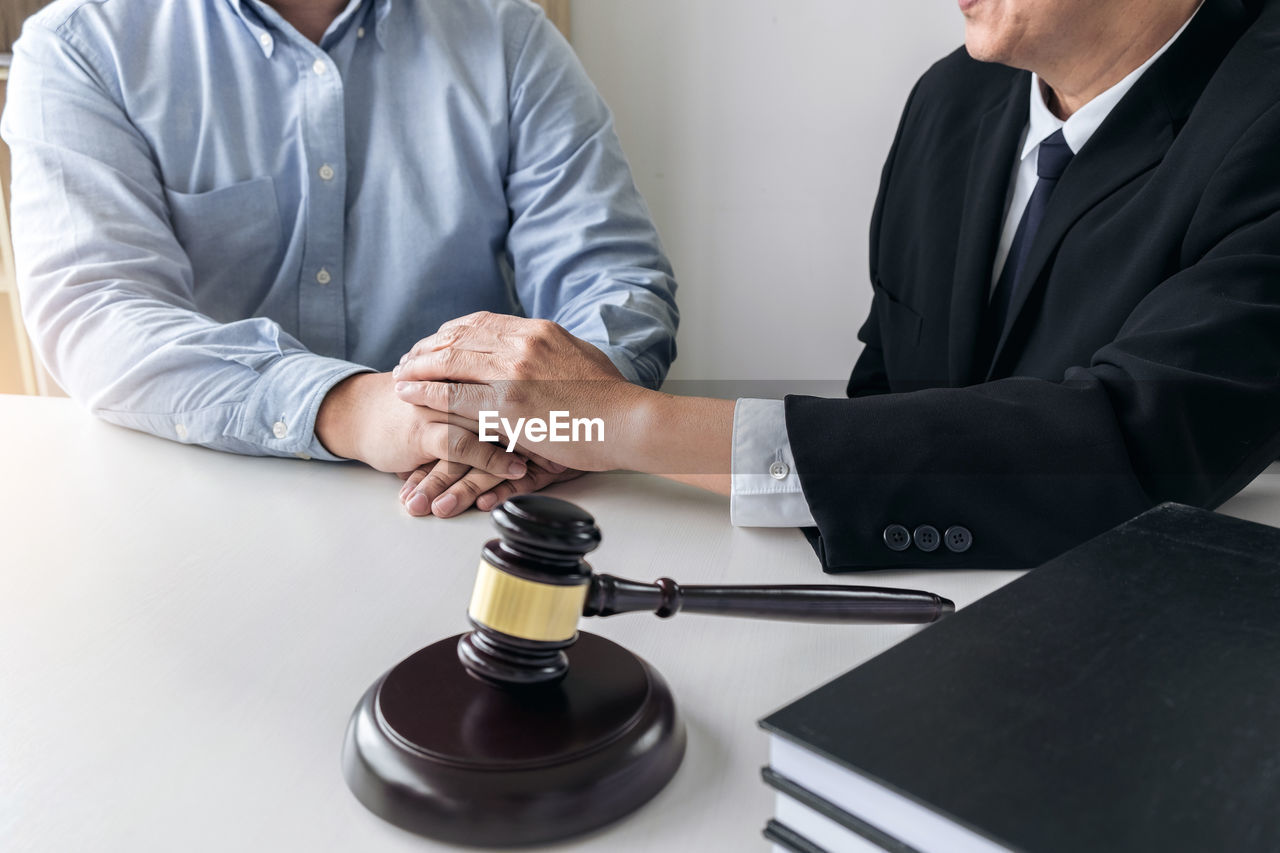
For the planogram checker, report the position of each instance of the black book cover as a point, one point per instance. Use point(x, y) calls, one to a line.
point(1124, 696)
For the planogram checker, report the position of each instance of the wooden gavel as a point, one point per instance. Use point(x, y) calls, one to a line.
point(492, 738)
point(533, 586)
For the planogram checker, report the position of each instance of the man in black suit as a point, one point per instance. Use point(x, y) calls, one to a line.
point(1075, 255)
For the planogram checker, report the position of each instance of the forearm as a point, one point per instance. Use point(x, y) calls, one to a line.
point(686, 439)
point(1026, 467)
point(549, 371)
point(606, 279)
point(242, 387)
point(636, 330)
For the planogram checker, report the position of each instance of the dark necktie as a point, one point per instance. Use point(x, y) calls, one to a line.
point(1051, 162)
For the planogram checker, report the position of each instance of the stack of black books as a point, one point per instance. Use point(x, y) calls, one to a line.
point(1124, 696)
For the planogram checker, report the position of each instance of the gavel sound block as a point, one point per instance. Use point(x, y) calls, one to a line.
point(525, 730)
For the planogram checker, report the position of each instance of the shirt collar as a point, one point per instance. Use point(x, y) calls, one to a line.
point(266, 41)
point(1082, 124)
point(381, 9)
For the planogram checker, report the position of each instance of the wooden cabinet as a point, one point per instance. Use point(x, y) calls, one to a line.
point(558, 12)
point(18, 372)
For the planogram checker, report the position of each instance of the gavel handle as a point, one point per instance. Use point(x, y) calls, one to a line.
point(828, 603)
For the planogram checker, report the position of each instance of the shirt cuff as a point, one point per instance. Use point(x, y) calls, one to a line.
point(636, 369)
point(280, 416)
point(766, 490)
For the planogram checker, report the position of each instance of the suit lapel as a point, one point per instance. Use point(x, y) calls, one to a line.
point(986, 192)
point(1133, 139)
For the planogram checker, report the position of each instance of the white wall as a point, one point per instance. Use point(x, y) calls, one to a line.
point(757, 131)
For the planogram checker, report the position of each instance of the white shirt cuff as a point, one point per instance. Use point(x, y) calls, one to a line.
point(766, 489)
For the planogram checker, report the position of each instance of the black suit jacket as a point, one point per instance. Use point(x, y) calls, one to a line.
point(1143, 364)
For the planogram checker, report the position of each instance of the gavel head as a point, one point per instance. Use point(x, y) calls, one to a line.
point(529, 592)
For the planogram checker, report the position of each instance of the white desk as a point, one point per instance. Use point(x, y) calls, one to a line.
point(183, 635)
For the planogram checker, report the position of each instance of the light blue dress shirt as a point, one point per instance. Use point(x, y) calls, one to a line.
point(216, 220)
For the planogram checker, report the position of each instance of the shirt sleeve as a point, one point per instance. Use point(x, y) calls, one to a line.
point(766, 490)
point(584, 250)
point(107, 289)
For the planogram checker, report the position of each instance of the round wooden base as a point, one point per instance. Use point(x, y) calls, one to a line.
point(443, 754)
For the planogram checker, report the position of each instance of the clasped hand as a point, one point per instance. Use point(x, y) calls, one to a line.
point(511, 367)
point(517, 370)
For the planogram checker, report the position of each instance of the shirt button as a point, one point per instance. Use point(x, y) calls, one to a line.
point(326, 172)
point(323, 276)
point(305, 457)
point(181, 431)
point(779, 470)
point(265, 41)
point(320, 67)
point(360, 33)
point(279, 430)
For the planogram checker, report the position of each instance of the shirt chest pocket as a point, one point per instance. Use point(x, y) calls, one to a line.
point(232, 237)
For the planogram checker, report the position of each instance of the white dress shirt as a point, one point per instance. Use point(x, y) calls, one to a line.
point(766, 490)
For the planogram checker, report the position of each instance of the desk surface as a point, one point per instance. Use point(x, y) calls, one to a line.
point(183, 635)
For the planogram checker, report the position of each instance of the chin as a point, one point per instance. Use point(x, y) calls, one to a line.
point(984, 45)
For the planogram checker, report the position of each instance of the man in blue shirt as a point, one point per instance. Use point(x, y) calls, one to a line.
point(229, 214)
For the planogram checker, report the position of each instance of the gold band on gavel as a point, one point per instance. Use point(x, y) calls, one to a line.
point(524, 608)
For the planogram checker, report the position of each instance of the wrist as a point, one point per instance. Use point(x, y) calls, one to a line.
point(338, 420)
point(689, 438)
point(642, 412)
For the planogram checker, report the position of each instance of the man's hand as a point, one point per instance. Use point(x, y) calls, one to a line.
point(528, 368)
point(361, 418)
point(523, 368)
point(438, 489)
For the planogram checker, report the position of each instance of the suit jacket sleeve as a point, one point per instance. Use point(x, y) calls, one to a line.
point(1183, 404)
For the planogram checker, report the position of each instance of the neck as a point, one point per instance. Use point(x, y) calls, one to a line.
point(309, 17)
point(1118, 45)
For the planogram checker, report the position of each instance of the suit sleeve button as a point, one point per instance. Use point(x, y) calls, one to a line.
point(897, 537)
point(927, 538)
point(958, 539)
